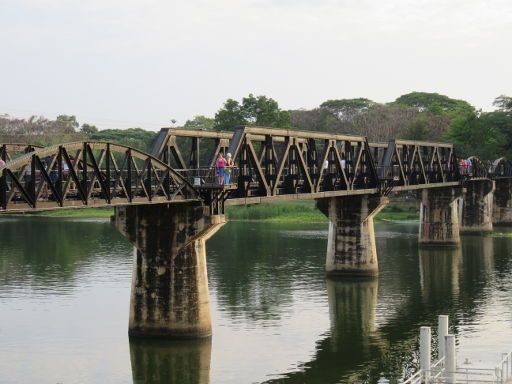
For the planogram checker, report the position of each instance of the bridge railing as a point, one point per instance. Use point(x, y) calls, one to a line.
point(207, 177)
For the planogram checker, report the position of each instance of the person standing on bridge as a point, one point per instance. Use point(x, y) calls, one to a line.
point(228, 169)
point(221, 164)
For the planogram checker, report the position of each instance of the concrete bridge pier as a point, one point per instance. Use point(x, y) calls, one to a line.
point(351, 246)
point(477, 206)
point(439, 217)
point(169, 297)
point(502, 205)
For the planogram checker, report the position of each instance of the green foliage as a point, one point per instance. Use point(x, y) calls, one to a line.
point(501, 124)
point(79, 212)
point(199, 122)
point(297, 211)
point(476, 135)
point(504, 103)
point(318, 119)
point(254, 110)
point(434, 103)
point(88, 129)
point(347, 108)
point(68, 121)
point(133, 137)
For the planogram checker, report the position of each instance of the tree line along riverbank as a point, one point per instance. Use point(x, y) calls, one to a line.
point(285, 212)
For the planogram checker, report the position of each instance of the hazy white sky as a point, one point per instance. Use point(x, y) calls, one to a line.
point(122, 63)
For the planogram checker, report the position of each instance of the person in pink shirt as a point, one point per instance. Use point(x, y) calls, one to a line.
point(221, 164)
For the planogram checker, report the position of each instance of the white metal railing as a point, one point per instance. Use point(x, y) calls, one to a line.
point(503, 370)
point(417, 378)
point(445, 370)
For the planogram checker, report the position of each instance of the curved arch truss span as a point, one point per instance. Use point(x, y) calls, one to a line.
point(88, 174)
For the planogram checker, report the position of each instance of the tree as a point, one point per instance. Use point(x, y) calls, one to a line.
point(88, 129)
point(68, 122)
point(264, 111)
point(132, 137)
point(504, 103)
point(501, 122)
point(199, 122)
point(477, 135)
point(229, 117)
point(255, 111)
point(347, 109)
point(434, 103)
point(318, 119)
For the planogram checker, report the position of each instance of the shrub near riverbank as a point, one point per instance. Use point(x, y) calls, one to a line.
point(306, 211)
point(286, 212)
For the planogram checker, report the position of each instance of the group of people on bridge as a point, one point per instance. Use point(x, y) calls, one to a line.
point(466, 167)
point(224, 168)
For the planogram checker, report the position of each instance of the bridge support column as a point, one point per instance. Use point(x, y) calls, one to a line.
point(502, 205)
point(169, 296)
point(351, 246)
point(439, 217)
point(477, 206)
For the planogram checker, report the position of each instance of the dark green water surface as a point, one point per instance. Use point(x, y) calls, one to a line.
point(65, 288)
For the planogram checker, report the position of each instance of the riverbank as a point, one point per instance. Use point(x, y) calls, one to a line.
point(286, 212)
point(306, 212)
point(78, 212)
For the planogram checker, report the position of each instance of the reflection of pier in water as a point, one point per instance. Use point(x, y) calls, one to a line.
point(183, 362)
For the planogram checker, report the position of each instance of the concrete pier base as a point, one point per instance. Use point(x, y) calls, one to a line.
point(502, 204)
point(477, 207)
point(169, 297)
point(439, 217)
point(351, 246)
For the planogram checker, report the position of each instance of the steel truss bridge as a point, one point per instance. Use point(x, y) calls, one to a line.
point(270, 164)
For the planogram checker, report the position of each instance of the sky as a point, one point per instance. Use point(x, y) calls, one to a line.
point(126, 63)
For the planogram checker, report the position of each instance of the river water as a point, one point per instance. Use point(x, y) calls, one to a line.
point(65, 288)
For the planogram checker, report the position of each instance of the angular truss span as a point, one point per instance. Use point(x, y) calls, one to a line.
point(405, 164)
point(88, 174)
point(270, 163)
point(275, 163)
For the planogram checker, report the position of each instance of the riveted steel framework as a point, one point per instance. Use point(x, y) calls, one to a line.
point(479, 168)
point(9, 151)
point(501, 168)
point(88, 174)
point(270, 164)
point(276, 162)
point(405, 163)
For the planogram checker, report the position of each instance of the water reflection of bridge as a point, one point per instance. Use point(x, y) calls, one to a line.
point(371, 335)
